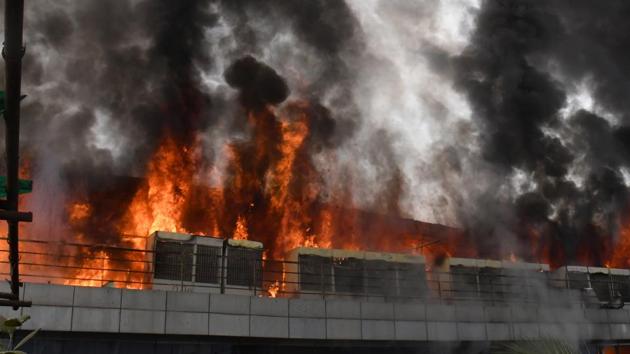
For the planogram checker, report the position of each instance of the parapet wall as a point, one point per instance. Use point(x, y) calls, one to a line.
point(83, 309)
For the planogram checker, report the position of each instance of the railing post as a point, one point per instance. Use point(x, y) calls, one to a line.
point(254, 277)
point(321, 281)
point(181, 267)
point(102, 267)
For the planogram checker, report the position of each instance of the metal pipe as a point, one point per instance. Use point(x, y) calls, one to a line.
point(15, 216)
point(12, 52)
point(16, 303)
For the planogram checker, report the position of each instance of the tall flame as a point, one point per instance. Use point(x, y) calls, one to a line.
point(159, 204)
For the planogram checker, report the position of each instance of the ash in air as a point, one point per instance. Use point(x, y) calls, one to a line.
point(332, 123)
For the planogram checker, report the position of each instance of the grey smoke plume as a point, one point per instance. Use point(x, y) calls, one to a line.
point(500, 117)
point(519, 72)
point(110, 82)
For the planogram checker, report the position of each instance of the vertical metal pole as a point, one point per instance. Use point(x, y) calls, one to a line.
point(12, 52)
point(321, 280)
point(181, 266)
point(254, 275)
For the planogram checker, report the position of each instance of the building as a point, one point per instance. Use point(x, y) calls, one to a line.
point(208, 296)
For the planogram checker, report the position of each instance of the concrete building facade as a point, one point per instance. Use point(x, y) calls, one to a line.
point(84, 312)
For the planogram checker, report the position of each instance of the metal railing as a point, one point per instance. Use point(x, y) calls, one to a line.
point(214, 272)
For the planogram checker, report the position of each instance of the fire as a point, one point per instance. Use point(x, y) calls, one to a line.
point(79, 212)
point(271, 192)
point(621, 254)
point(292, 216)
point(94, 272)
point(240, 231)
point(273, 289)
point(159, 204)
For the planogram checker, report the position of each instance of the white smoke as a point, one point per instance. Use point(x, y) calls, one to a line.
point(400, 94)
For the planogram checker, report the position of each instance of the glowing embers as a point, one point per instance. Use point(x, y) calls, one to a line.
point(340, 273)
point(186, 262)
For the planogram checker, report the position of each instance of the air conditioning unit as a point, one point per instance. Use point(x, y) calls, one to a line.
point(607, 283)
point(242, 266)
point(315, 272)
point(186, 262)
point(471, 278)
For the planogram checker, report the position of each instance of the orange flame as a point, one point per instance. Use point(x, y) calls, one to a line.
point(240, 231)
point(273, 289)
point(159, 204)
point(621, 252)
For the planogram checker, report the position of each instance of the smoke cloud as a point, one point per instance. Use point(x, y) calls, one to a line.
point(565, 162)
point(507, 119)
point(259, 84)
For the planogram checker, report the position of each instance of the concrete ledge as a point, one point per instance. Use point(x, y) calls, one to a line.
point(49, 318)
point(525, 330)
point(82, 309)
point(343, 309)
point(269, 327)
point(498, 314)
point(95, 320)
point(229, 325)
point(524, 313)
point(498, 331)
point(8, 312)
point(595, 316)
point(48, 294)
point(307, 308)
point(377, 330)
point(442, 331)
point(469, 313)
point(377, 311)
point(471, 331)
point(620, 331)
point(343, 329)
point(269, 307)
point(142, 321)
point(144, 300)
point(410, 312)
point(5, 287)
point(97, 297)
point(187, 302)
point(600, 331)
point(561, 315)
point(307, 328)
point(618, 316)
point(586, 330)
point(187, 323)
point(554, 330)
point(411, 330)
point(440, 312)
point(235, 304)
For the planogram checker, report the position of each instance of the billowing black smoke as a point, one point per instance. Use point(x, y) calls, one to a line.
point(258, 84)
point(523, 58)
point(134, 63)
point(107, 83)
